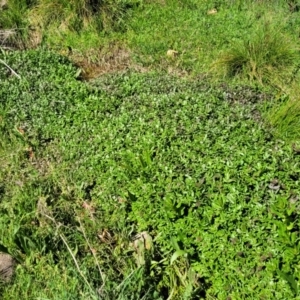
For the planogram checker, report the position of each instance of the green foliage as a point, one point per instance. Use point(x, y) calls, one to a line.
point(259, 37)
point(13, 16)
point(147, 186)
point(89, 169)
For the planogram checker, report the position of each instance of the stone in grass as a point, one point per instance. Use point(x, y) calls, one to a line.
point(7, 264)
point(3, 4)
point(212, 11)
point(172, 53)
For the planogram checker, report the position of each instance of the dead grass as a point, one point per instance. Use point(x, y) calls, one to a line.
point(35, 37)
point(6, 36)
point(113, 58)
point(10, 39)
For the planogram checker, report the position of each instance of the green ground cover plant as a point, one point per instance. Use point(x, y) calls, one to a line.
point(177, 182)
point(143, 186)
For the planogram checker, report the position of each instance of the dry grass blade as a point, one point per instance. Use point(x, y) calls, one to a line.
point(93, 253)
point(12, 71)
point(5, 34)
point(69, 249)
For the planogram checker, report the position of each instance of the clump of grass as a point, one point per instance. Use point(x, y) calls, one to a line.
point(76, 15)
point(14, 24)
point(263, 55)
point(285, 118)
point(34, 21)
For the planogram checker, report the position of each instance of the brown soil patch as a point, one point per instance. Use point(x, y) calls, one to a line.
point(110, 59)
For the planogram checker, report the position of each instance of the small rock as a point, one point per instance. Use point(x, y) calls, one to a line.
point(212, 11)
point(274, 185)
point(294, 199)
point(144, 238)
point(296, 148)
point(142, 242)
point(172, 53)
point(7, 264)
point(3, 4)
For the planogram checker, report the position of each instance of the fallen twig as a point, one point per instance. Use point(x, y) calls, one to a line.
point(69, 249)
point(7, 66)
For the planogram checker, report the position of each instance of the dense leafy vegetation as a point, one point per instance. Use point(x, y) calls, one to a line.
point(143, 186)
point(173, 176)
point(240, 41)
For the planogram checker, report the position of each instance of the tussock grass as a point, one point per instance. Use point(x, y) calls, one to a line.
point(77, 15)
point(14, 18)
point(284, 115)
point(264, 55)
point(49, 18)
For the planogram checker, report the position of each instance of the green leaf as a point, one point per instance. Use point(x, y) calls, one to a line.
point(290, 279)
point(177, 254)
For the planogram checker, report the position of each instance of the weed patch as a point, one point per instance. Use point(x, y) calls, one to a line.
point(151, 187)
